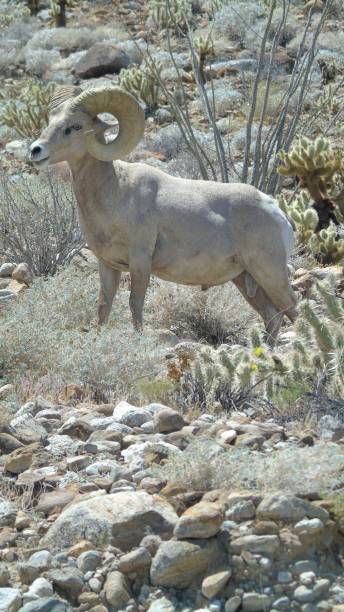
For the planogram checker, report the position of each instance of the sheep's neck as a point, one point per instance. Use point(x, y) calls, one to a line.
point(89, 178)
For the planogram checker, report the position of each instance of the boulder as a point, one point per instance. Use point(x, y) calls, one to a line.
point(18, 460)
point(10, 599)
point(100, 59)
point(6, 269)
point(26, 429)
point(22, 274)
point(178, 564)
point(213, 584)
point(131, 415)
point(121, 519)
point(202, 520)
point(168, 420)
point(279, 507)
point(258, 544)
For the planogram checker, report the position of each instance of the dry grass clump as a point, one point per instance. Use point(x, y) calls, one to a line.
point(206, 465)
point(72, 39)
point(215, 316)
point(50, 339)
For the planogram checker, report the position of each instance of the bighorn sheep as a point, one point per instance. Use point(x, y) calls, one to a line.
point(137, 218)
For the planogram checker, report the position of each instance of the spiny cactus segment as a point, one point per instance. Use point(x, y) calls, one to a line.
point(29, 118)
point(170, 13)
point(143, 83)
point(58, 9)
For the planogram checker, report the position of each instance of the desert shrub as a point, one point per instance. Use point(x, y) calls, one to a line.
point(235, 20)
point(206, 465)
point(217, 315)
point(71, 39)
point(49, 339)
point(38, 61)
point(38, 222)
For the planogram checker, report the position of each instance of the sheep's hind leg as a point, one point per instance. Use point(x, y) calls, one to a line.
point(262, 304)
point(109, 282)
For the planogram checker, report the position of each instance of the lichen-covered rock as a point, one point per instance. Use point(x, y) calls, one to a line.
point(26, 429)
point(168, 420)
point(102, 58)
point(22, 274)
point(6, 269)
point(179, 563)
point(121, 519)
point(18, 460)
point(289, 508)
point(10, 599)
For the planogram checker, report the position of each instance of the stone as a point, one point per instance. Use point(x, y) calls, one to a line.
point(168, 420)
point(56, 499)
point(264, 544)
point(309, 527)
point(284, 577)
point(8, 513)
point(241, 511)
point(6, 269)
point(68, 582)
point(26, 429)
point(79, 548)
point(116, 590)
point(101, 59)
point(121, 519)
point(78, 463)
point(41, 587)
point(19, 149)
point(41, 559)
point(282, 603)
point(18, 460)
point(10, 599)
point(76, 428)
point(89, 560)
point(4, 575)
point(303, 594)
point(250, 440)
point(254, 602)
point(212, 585)
point(228, 436)
point(22, 274)
point(46, 604)
point(23, 520)
point(203, 520)
point(233, 604)
point(131, 416)
point(161, 605)
point(27, 572)
point(135, 561)
point(178, 563)
point(288, 508)
point(8, 443)
point(151, 542)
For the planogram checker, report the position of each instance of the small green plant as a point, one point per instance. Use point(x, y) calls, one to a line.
point(143, 83)
point(30, 116)
point(58, 9)
point(33, 6)
point(204, 47)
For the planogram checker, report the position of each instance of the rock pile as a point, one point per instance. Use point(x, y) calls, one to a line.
point(103, 532)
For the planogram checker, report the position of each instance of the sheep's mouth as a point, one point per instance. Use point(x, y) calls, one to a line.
point(41, 162)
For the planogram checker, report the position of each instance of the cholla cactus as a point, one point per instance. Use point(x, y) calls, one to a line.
point(320, 170)
point(143, 83)
point(33, 6)
point(29, 119)
point(228, 374)
point(58, 9)
point(170, 13)
point(204, 47)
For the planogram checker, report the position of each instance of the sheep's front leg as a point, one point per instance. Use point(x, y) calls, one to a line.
point(140, 270)
point(109, 282)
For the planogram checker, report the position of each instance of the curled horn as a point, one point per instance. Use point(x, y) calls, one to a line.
point(124, 107)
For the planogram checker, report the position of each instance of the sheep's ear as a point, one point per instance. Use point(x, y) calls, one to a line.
point(60, 95)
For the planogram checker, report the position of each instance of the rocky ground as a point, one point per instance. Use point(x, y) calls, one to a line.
point(117, 499)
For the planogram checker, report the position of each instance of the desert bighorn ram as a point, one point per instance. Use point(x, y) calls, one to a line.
point(137, 218)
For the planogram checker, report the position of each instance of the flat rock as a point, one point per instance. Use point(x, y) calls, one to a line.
point(26, 429)
point(18, 460)
point(10, 599)
point(202, 520)
point(131, 415)
point(254, 602)
point(47, 604)
point(121, 519)
point(6, 269)
point(135, 561)
point(179, 563)
point(259, 544)
point(102, 58)
point(9, 443)
point(68, 582)
point(289, 508)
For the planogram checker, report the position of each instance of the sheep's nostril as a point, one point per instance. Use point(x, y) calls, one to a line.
point(36, 150)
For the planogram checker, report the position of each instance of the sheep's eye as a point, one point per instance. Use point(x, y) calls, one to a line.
point(67, 131)
point(77, 127)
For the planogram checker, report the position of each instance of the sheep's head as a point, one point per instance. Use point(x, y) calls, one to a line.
point(74, 128)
